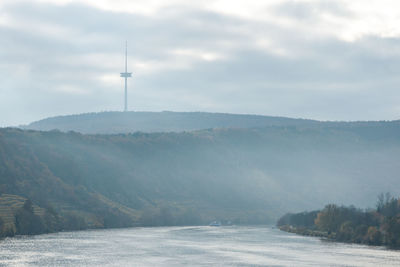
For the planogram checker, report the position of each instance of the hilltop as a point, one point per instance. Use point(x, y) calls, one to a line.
point(166, 121)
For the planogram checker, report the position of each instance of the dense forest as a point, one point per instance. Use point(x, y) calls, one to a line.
point(244, 175)
point(380, 226)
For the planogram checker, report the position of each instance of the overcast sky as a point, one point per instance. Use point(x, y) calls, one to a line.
point(326, 60)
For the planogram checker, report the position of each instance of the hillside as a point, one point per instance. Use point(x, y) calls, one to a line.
point(243, 175)
point(129, 122)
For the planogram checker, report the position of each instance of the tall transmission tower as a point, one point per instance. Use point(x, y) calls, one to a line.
point(126, 75)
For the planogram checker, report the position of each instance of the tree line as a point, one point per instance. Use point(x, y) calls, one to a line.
point(26, 222)
point(380, 226)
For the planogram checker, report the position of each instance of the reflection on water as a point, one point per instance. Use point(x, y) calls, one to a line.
point(183, 246)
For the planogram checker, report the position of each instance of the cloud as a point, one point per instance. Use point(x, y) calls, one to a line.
point(312, 59)
point(312, 10)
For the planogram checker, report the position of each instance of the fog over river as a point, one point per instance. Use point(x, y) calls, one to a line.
point(188, 246)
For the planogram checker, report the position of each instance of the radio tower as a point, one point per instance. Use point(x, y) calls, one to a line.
point(126, 75)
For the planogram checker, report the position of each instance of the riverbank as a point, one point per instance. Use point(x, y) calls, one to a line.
point(307, 232)
point(380, 227)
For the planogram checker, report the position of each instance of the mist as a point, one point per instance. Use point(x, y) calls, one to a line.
point(195, 122)
point(252, 170)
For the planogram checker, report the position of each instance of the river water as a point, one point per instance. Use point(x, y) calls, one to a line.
point(188, 246)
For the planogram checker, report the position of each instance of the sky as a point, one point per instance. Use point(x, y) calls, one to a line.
point(317, 59)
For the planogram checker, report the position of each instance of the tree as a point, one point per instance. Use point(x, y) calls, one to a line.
point(27, 222)
point(393, 231)
point(380, 203)
point(328, 218)
point(346, 231)
point(1, 227)
point(52, 220)
point(28, 206)
point(373, 236)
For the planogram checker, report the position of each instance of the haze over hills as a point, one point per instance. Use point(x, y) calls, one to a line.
point(247, 175)
point(166, 121)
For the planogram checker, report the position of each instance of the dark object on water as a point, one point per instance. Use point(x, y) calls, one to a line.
point(215, 223)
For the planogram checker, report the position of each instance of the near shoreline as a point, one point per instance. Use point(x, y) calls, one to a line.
point(380, 227)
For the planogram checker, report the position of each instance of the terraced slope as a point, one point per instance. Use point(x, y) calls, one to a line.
point(9, 204)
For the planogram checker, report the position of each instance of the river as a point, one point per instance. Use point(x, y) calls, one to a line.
point(188, 246)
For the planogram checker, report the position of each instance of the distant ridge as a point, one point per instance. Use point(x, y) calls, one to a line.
point(114, 122)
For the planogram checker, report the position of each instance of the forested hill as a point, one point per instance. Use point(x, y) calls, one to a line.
point(242, 175)
point(129, 122)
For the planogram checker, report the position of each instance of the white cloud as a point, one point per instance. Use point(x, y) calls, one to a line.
point(144, 7)
point(197, 54)
point(70, 89)
point(373, 17)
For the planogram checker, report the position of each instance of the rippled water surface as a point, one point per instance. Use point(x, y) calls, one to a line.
point(188, 246)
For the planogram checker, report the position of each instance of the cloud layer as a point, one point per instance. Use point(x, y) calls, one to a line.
point(313, 59)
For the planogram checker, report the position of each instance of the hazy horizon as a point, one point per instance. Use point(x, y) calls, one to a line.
point(187, 121)
point(320, 60)
point(173, 111)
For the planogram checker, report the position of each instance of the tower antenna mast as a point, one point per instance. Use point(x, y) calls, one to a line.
point(126, 75)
